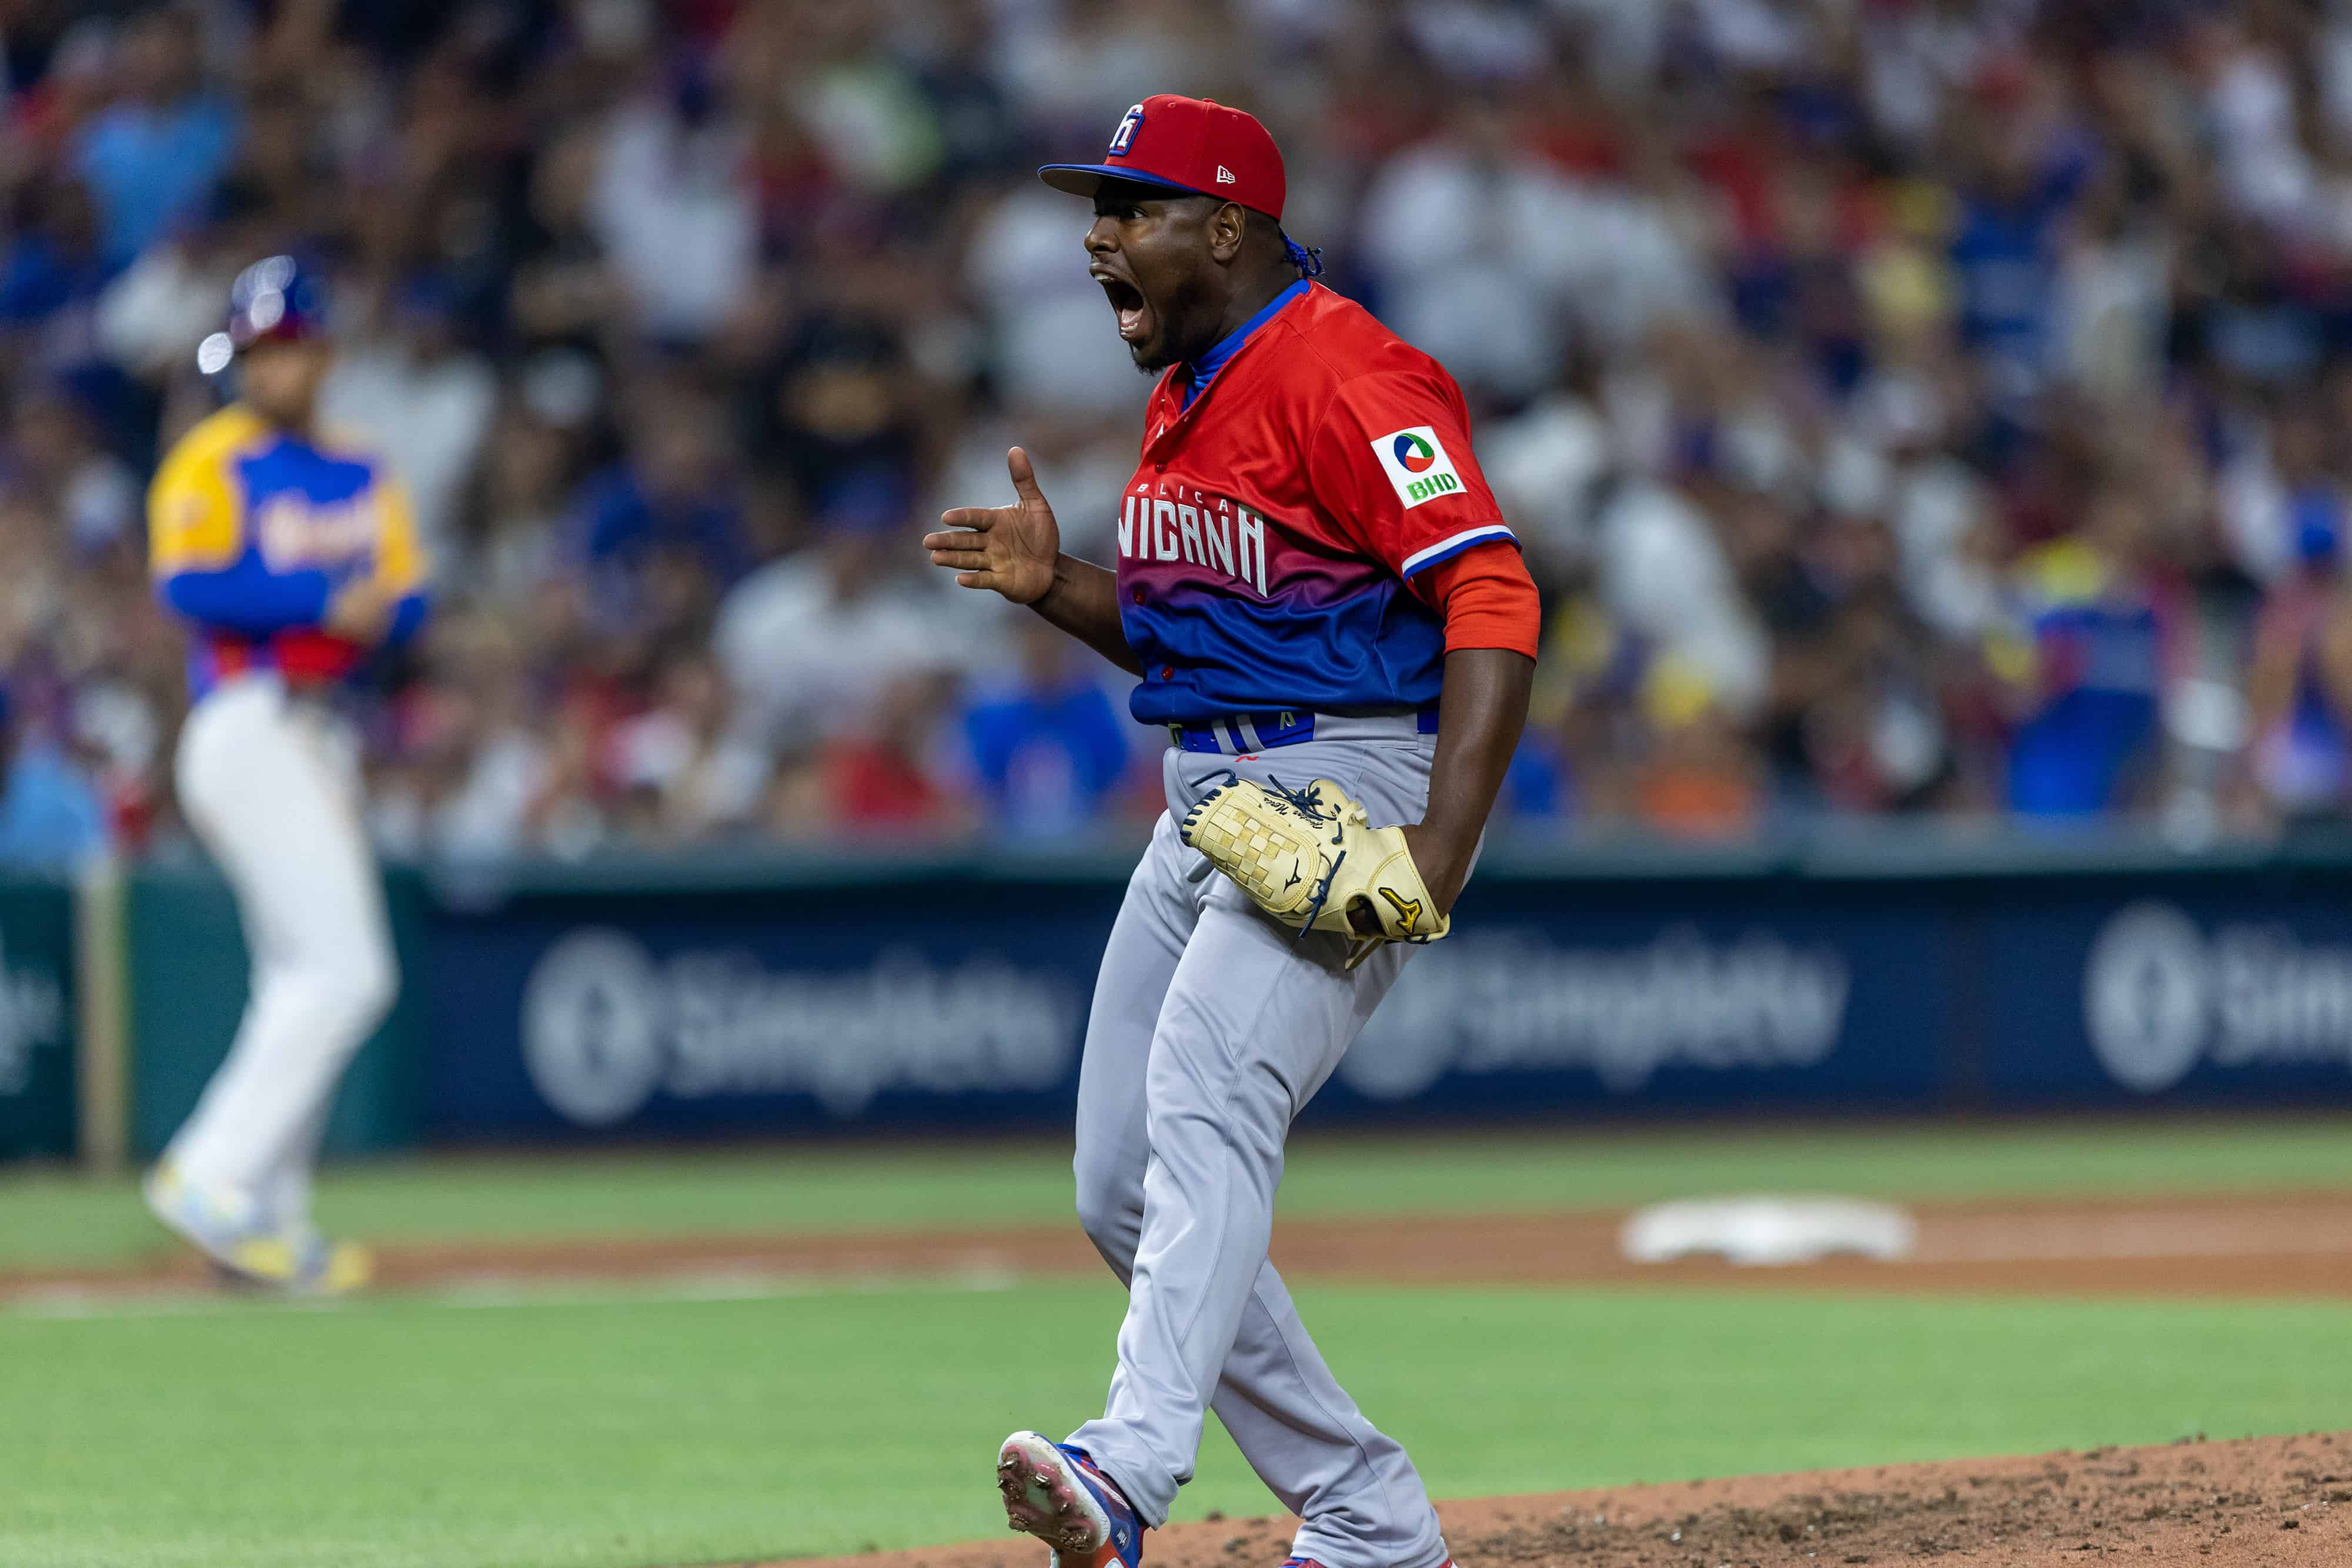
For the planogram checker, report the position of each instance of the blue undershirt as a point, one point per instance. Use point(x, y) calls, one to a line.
point(1204, 368)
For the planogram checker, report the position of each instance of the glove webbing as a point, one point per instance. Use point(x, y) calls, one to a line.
point(1308, 803)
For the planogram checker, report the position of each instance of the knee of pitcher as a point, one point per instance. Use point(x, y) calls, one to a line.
point(1111, 1212)
point(369, 983)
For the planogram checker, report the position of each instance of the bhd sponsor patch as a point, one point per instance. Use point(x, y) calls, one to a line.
point(1417, 465)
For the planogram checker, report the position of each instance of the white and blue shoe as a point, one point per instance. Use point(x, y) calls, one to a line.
point(1054, 1492)
point(297, 1260)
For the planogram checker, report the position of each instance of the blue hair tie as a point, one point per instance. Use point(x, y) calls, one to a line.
point(1309, 260)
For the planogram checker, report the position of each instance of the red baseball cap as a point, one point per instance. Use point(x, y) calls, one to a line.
point(1194, 144)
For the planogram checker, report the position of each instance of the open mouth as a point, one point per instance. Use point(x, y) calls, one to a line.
point(1127, 302)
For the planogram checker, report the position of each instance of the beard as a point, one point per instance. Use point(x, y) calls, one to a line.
point(1188, 328)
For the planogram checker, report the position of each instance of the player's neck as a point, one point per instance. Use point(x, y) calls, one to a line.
point(1249, 300)
point(303, 427)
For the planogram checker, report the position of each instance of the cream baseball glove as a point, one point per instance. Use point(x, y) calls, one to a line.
point(1309, 859)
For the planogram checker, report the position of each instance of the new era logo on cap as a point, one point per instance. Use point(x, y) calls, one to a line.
point(1224, 176)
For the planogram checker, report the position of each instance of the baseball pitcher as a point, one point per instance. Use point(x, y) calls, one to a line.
point(1330, 617)
point(290, 556)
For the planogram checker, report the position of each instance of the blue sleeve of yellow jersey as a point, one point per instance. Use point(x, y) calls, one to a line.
point(407, 618)
point(248, 597)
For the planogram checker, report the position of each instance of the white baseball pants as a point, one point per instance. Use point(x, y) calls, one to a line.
point(1212, 1026)
point(269, 783)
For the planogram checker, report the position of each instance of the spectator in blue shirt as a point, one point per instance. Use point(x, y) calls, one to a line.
point(50, 817)
point(53, 262)
point(2005, 248)
point(665, 526)
point(1049, 747)
point(2084, 650)
point(151, 160)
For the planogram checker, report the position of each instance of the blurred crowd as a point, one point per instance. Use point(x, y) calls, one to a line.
point(1906, 406)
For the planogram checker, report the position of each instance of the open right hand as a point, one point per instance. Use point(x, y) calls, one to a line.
point(1011, 549)
point(362, 610)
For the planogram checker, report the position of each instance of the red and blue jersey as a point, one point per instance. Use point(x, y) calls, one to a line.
point(1292, 482)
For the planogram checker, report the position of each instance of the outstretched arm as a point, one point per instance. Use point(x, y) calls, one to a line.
point(1016, 551)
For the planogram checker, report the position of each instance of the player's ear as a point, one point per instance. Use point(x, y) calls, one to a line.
point(1227, 224)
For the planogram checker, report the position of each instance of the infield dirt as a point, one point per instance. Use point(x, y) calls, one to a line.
point(2263, 1502)
point(2297, 1245)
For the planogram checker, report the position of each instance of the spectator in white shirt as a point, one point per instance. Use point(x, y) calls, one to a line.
point(421, 398)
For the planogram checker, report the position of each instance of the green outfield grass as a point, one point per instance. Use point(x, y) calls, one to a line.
point(639, 1430)
point(629, 1433)
point(64, 1220)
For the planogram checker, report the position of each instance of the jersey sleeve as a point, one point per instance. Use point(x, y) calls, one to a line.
point(1390, 463)
point(192, 516)
point(1487, 598)
point(400, 561)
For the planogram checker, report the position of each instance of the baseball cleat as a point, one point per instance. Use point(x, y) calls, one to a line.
point(222, 1227)
point(1054, 1492)
point(323, 1267)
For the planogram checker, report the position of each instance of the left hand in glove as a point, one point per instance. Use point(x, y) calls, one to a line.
point(1310, 859)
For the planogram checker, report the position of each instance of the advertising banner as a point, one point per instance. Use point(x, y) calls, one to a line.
point(2180, 994)
point(1541, 1006)
point(36, 1020)
point(779, 999)
point(691, 1013)
point(189, 966)
point(586, 1013)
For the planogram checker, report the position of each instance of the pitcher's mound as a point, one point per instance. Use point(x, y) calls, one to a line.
point(2263, 1502)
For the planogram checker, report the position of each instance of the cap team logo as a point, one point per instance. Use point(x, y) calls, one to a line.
point(1416, 463)
point(1123, 140)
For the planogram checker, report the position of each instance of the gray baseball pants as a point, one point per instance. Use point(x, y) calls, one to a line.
point(1213, 1027)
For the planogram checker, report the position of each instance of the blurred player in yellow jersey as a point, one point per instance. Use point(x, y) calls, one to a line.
point(291, 558)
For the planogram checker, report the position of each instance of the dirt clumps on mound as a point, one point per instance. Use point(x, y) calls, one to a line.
point(2261, 1502)
point(2278, 1501)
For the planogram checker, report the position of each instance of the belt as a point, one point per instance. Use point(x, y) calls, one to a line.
point(304, 655)
point(1235, 734)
